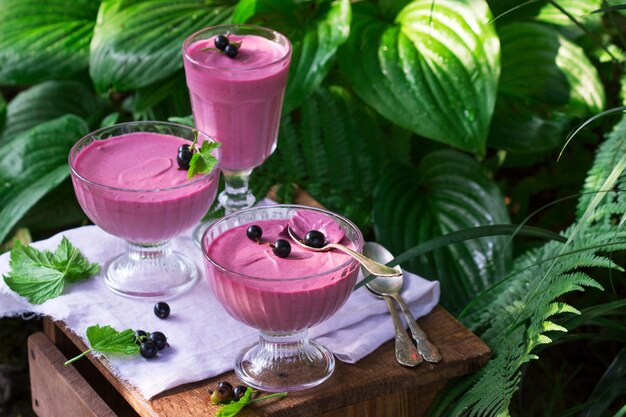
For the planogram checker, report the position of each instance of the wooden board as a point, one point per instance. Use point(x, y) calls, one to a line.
point(59, 390)
point(376, 386)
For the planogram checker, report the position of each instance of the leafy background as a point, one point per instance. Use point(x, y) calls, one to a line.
point(416, 119)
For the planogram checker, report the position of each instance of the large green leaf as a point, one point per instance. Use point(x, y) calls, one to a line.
point(49, 100)
point(34, 163)
point(332, 147)
point(57, 210)
point(315, 29)
point(42, 39)
point(577, 9)
point(546, 81)
point(3, 114)
point(434, 72)
point(448, 192)
point(138, 42)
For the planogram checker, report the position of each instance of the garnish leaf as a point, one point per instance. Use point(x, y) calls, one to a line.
point(203, 161)
point(231, 409)
point(41, 275)
point(107, 339)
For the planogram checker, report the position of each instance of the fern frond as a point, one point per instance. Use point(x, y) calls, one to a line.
point(513, 316)
point(606, 157)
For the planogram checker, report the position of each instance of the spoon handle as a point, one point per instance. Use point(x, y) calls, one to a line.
point(406, 353)
point(424, 347)
point(373, 267)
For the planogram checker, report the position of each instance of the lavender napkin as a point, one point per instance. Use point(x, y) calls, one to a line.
point(204, 339)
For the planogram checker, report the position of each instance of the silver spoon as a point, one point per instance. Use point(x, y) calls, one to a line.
point(406, 353)
point(373, 267)
point(391, 287)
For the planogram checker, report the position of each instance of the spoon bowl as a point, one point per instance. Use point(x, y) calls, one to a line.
point(370, 265)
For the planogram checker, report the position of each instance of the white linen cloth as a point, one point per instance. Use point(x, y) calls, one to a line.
point(203, 338)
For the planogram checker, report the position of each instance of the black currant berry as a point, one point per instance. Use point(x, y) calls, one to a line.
point(239, 391)
point(281, 248)
point(221, 42)
point(158, 339)
point(161, 310)
point(254, 233)
point(148, 349)
point(224, 386)
point(231, 50)
point(315, 239)
point(139, 336)
point(224, 393)
point(184, 156)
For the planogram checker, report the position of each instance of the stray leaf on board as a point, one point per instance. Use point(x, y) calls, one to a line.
point(107, 339)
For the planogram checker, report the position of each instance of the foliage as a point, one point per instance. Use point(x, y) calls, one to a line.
point(417, 119)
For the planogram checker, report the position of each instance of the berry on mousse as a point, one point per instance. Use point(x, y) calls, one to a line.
point(315, 239)
point(184, 156)
point(224, 46)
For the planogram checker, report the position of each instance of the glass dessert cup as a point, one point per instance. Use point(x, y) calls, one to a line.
point(282, 309)
point(238, 101)
point(143, 213)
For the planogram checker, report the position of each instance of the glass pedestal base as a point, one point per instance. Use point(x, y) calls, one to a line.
point(288, 362)
point(150, 271)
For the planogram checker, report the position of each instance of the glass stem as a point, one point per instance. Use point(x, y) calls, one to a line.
point(236, 195)
point(146, 252)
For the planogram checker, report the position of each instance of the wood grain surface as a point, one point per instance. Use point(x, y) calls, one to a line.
point(375, 386)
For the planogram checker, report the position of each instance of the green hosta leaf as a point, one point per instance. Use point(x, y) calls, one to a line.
point(3, 114)
point(519, 127)
point(577, 9)
point(57, 210)
point(34, 163)
point(49, 100)
point(42, 39)
point(332, 148)
point(546, 80)
point(148, 97)
point(448, 192)
point(434, 72)
point(316, 29)
point(138, 42)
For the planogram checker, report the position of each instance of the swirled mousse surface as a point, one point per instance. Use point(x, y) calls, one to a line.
point(234, 251)
point(134, 161)
point(254, 52)
point(141, 169)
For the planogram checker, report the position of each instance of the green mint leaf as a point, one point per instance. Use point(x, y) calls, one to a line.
point(107, 339)
point(202, 161)
point(75, 265)
point(41, 275)
point(231, 409)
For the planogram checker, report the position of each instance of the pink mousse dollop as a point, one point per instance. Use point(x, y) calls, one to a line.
point(278, 294)
point(134, 189)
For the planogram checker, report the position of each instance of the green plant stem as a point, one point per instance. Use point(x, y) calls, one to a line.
point(267, 397)
point(463, 235)
point(74, 359)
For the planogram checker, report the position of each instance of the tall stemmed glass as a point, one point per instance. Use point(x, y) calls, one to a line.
point(127, 181)
point(238, 100)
